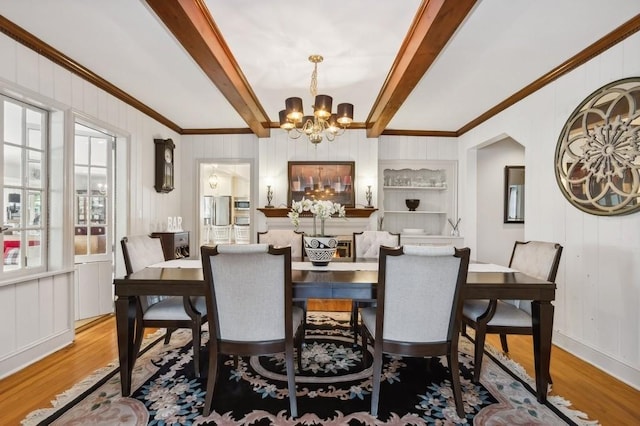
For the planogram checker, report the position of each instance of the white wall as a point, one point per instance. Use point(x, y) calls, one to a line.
point(270, 157)
point(36, 315)
point(598, 294)
point(496, 238)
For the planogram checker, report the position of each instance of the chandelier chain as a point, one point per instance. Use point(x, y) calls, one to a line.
point(313, 88)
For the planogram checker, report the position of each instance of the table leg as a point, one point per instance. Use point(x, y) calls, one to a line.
point(125, 325)
point(542, 316)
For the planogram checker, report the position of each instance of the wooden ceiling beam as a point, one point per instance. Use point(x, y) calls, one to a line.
point(435, 23)
point(192, 25)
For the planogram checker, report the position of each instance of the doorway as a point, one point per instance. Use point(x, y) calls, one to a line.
point(224, 198)
point(93, 221)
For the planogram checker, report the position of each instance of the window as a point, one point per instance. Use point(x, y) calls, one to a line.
point(23, 182)
point(92, 155)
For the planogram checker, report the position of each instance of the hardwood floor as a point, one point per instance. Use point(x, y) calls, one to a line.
point(602, 397)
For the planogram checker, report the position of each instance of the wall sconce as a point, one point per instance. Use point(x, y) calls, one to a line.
point(368, 194)
point(269, 197)
point(213, 181)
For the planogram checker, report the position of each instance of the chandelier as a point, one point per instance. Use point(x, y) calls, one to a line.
point(323, 123)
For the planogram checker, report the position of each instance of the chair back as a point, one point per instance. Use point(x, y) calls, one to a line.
point(140, 251)
point(283, 238)
point(241, 234)
point(367, 243)
point(249, 284)
point(536, 258)
point(221, 234)
point(539, 259)
point(419, 293)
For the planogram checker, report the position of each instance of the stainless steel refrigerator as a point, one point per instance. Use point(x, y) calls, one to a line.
point(217, 210)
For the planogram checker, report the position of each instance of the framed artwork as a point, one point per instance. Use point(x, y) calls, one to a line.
point(322, 180)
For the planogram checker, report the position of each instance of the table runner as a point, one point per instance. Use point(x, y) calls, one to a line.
point(332, 266)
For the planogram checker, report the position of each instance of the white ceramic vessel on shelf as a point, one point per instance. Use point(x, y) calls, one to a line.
point(413, 231)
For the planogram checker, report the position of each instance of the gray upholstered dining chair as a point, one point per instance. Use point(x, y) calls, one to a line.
point(538, 259)
point(170, 312)
point(366, 245)
point(418, 311)
point(252, 312)
point(283, 238)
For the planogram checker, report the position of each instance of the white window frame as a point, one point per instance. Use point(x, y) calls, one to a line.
point(25, 227)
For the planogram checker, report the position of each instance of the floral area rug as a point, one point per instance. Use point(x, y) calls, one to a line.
point(333, 388)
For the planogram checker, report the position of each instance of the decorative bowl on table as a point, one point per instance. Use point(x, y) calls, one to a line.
point(320, 250)
point(412, 204)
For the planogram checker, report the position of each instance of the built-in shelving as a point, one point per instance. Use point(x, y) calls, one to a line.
point(431, 182)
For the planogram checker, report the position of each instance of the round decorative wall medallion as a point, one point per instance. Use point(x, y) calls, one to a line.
point(597, 160)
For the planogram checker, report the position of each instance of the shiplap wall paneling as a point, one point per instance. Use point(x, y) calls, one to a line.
point(598, 280)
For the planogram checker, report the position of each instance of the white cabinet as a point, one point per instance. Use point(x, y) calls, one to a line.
point(434, 184)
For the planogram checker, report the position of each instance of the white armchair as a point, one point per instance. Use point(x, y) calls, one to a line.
point(366, 245)
point(535, 258)
point(168, 312)
point(283, 238)
point(418, 310)
point(252, 312)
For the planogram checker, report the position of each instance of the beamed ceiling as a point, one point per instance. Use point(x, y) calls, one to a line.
point(410, 67)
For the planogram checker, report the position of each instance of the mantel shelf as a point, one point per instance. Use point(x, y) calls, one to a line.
point(350, 212)
point(430, 188)
point(414, 212)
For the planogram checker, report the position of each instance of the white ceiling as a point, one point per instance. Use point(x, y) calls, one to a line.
point(501, 47)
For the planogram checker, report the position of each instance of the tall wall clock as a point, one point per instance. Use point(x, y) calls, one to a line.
point(164, 165)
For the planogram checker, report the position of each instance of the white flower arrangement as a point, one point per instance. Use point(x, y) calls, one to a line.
point(321, 209)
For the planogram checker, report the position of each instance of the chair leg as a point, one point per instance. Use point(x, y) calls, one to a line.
point(365, 345)
point(291, 380)
point(167, 336)
point(503, 341)
point(195, 332)
point(377, 372)
point(211, 378)
point(454, 369)
point(478, 351)
point(354, 321)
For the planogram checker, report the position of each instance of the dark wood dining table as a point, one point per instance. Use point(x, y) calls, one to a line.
point(340, 284)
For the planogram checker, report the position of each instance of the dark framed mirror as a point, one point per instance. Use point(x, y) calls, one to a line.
point(514, 194)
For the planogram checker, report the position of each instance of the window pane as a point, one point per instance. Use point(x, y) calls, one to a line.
point(82, 179)
point(12, 254)
point(98, 210)
point(12, 123)
point(12, 165)
point(81, 209)
point(34, 139)
point(34, 207)
point(98, 240)
point(34, 252)
point(12, 198)
point(80, 240)
point(98, 180)
point(81, 150)
point(99, 152)
point(35, 169)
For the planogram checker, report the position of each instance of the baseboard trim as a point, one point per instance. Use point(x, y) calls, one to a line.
point(621, 371)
